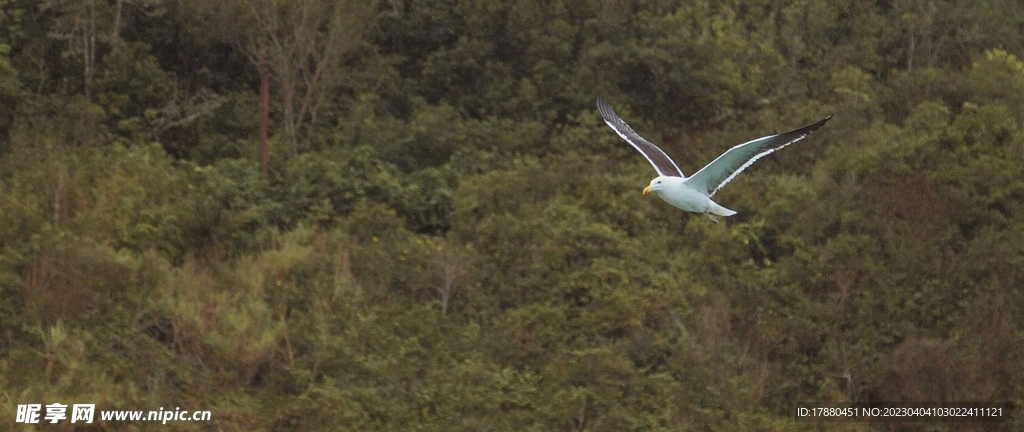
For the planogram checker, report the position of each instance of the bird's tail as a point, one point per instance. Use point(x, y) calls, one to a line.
point(720, 211)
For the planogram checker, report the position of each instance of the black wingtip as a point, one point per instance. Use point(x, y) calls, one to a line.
point(803, 131)
point(814, 126)
point(605, 107)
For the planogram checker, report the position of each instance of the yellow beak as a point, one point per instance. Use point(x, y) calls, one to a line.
point(647, 190)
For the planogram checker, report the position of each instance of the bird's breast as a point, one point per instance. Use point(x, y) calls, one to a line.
point(686, 198)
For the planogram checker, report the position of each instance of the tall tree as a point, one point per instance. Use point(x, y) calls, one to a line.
point(76, 23)
point(305, 44)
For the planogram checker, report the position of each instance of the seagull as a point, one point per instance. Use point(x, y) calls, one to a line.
point(694, 193)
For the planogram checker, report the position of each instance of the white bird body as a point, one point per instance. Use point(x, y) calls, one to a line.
point(694, 193)
point(674, 191)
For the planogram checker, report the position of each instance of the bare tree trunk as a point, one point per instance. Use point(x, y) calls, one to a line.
point(264, 109)
point(581, 417)
point(87, 69)
point(90, 46)
point(59, 195)
point(115, 36)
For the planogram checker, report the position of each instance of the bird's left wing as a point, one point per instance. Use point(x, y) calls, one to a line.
point(716, 174)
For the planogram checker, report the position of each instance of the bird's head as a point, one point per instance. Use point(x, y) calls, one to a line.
point(655, 185)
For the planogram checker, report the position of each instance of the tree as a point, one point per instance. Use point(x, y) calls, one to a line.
point(76, 23)
point(304, 46)
point(451, 264)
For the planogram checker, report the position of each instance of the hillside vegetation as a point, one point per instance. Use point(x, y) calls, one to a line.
point(448, 238)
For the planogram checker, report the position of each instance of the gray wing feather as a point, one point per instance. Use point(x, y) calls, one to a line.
point(661, 162)
point(722, 170)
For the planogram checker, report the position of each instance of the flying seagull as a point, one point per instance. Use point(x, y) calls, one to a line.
point(694, 193)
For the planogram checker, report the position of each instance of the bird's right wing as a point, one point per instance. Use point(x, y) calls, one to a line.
point(662, 163)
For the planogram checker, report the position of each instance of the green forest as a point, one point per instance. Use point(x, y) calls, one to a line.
point(443, 234)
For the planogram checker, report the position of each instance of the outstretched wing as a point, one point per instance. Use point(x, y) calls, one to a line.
point(716, 174)
point(662, 163)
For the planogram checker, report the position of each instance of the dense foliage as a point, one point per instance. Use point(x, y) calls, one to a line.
point(449, 238)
